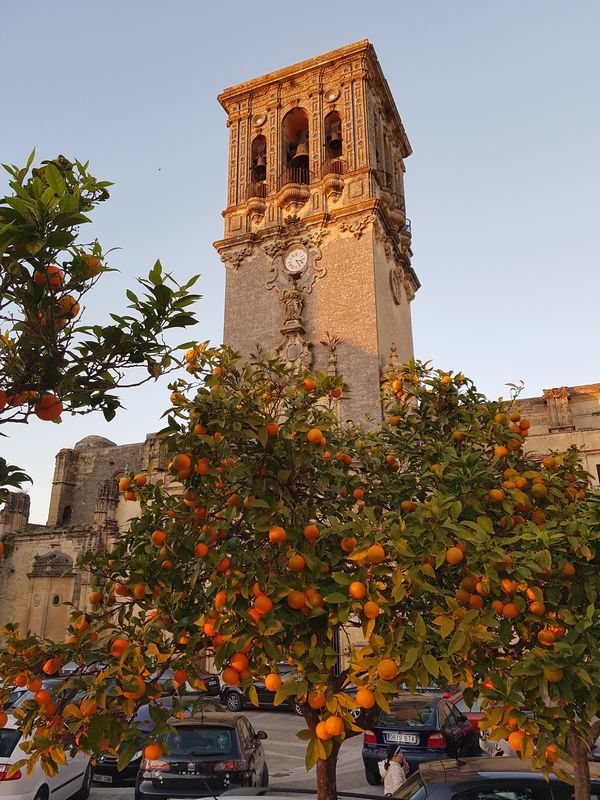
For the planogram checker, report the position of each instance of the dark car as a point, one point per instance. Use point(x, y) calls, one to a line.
point(235, 698)
point(487, 779)
point(107, 770)
point(204, 756)
point(427, 727)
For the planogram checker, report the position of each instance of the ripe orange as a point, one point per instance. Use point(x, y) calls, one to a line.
point(51, 276)
point(296, 563)
point(92, 265)
point(95, 598)
point(551, 754)
point(500, 451)
point(140, 479)
point(152, 752)
point(223, 564)
point(134, 687)
point(348, 544)
point(371, 610)
point(49, 407)
point(476, 601)
point(539, 490)
point(387, 669)
point(314, 598)
point(321, 731)
point(202, 466)
point(311, 533)
point(498, 606)
point(295, 599)
point(68, 306)
point(365, 698)
point(358, 493)
point(42, 697)
point(514, 416)
point(220, 600)
point(537, 609)
point(138, 591)
point(272, 682)
point(277, 534)
point(314, 436)
point(239, 661)
point(272, 428)
point(454, 555)
point(118, 647)
point(496, 495)
point(309, 384)
point(510, 611)
point(316, 699)
point(553, 675)
point(546, 637)
point(34, 685)
point(158, 538)
point(129, 495)
point(357, 590)
point(263, 604)
point(51, 666)
point(568, 570)
point(462, 596)
point(509, 586)
point(88, 706)
point(182, 462)
point(200, 550)
point(3, 718)
point(515, 739)
point(20, 679)
point(376, 554)
point(230, 676)
point(334, 726)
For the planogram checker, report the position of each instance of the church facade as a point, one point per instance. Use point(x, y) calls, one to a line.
point(317, 251)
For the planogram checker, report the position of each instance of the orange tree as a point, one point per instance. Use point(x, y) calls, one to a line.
point(49, 359)
point(418, 549)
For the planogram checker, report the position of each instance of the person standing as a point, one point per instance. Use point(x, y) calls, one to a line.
point(393, 770)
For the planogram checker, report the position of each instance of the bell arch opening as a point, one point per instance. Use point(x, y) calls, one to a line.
point(295, 140)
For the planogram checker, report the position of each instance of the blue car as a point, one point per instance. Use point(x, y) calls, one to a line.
point(426, 727)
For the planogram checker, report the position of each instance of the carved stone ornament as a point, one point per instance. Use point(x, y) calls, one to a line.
point(357, 228)
point(279, 277)
point(396, 285)
point(409, 288)
point(233, 258)
point(294, 348)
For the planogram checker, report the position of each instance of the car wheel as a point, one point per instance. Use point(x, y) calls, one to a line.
point(234, 701)
point(86, 786)
point(373, 779)
point(264, 778)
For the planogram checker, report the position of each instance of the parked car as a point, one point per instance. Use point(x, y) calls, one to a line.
point(204, 755)
point(487, 779)
point(20, 694)
point(235, 698)
point(73, 779)
point(427, 727)
point(210, 681)
point(473, 712)
point(107, 770)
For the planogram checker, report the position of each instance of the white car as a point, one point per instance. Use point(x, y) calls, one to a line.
point(73, 779)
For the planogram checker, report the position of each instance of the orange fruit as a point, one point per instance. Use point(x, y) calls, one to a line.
point(272, 428)
point(134, 687)
point(239, 661)
point(407, 506)
point(496, 495)
point(553, 675)
point(462, 596)
point(322, 732)
point(129, 495)
point(51, 666)
point(537, 609)
point(334, 726)
point(34, 685)
point(568, 570)
point(348, 543)
point(200, 550)
point(314, 436)
point(263, 604)
point(546, 637)
point(387, 669)
point(296, 563)
point(316, 699)
point(539, 490)
point(182, 462)
point(454, 555)
point(230, 676)
point(357, 590)
point(49, 407)
point(510, 611)
point(88, 706)
point(124, 484)
point(272, 681)
point(476, 601)
point(3, 718)
point(220, 600)
point(118, 647)
point(295, 599)
point(500, 451)
point(551, 753)
point(498, 606)
point(376, 554)
point(358, 493)
point(365, 698)
point(515, 739)
point(459, 436)
point(371, 610)
point(51, 276)
point(42, 697)
point(509, 586)
point(202, 466)
point(309, 384)
point(153, 751)
point(314, 598)
point(223, 564)
point(311, 533)
point(514, 416)
point(158, 538)
point(95, 598)
point(277, 534)
point(20, 679)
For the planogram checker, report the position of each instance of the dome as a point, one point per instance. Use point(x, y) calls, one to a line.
point(94, 443)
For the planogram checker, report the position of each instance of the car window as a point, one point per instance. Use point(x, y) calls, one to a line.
point(188, 740)
point(8, 741)
point(244, 732)
point(541, 792)
point(412, 714)
point(457, 716)
point(412, 789)
point(464, 708)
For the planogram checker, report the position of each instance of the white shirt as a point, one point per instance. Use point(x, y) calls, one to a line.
point(393, 776)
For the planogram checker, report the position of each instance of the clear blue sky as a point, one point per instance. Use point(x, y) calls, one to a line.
point(501, 103)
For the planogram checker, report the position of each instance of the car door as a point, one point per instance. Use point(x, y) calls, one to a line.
point(467, 739)
point(70, 776)
point(252, 752)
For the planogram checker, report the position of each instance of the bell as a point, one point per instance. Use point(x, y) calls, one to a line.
point(301, 153)
point(260, 160)
point(335, 136)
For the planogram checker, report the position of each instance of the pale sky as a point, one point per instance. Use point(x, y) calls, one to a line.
point(501, 105)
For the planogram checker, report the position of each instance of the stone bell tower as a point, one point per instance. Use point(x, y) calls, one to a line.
point(317, 244)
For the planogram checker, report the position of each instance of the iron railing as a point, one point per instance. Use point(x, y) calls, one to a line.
point(337, 166)
point(294, 175)
point(258, 189)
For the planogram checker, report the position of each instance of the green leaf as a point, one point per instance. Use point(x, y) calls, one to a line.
point(431, 665)
point(55, 179)
point(336, 597)
point(457, 642)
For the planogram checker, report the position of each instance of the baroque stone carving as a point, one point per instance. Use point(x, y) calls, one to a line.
point(356, 228)
point(279, 277)
point(396, 285)
point(233, 258)
point(559, 410)
point(294, 349)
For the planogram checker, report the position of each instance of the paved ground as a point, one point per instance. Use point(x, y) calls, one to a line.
point(285, 757)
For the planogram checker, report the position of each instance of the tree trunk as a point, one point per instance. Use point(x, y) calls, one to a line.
point(326, 775)
point(579, 750)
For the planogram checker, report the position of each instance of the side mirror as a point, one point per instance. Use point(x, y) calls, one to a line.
point(262, 735)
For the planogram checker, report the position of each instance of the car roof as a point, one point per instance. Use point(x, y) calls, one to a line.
point(423, 699)
point(465, 769)
point(206, 718)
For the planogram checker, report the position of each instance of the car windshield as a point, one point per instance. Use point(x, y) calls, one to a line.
point(412, 714)
point(412, 789)
point(8, 741)
point(192, 741)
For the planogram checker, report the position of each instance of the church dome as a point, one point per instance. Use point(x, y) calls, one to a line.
point(94, 443)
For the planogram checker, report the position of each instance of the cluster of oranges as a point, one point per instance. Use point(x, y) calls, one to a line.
point(47, 406)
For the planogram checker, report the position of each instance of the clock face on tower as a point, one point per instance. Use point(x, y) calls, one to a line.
point(295, 260)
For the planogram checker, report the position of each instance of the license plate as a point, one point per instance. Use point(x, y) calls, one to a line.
point(103, 778)
point(401, 738)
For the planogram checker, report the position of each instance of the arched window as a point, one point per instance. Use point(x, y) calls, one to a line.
point(295, 147)
point(66, 515)
point(258, 186)
point(333, 144)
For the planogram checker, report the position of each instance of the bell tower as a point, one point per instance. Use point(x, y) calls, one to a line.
point(317, 245)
